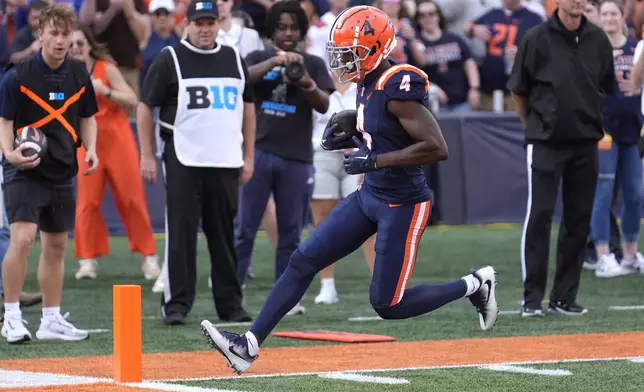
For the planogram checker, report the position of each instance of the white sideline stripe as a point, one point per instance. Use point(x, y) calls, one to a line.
point(474, 365)
point(509, 312)
point(15, 379)
point(637, 360)
point(97, 330)
point(366, 318)
point(633, 307)
point(175, 387)
point(526, 370)
point(362, 378)
point(378, 318)
point(240, 324)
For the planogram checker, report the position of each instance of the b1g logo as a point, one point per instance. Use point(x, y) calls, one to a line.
point(215, 97)
point(56, 96)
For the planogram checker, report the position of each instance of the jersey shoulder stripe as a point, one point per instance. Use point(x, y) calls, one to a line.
point(396, 69)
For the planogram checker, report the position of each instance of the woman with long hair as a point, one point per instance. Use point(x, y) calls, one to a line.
point(447, 61)
point(619, 154)
point(119, 164)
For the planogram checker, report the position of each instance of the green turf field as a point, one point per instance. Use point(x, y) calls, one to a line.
point(445, 253)
point(620, 376)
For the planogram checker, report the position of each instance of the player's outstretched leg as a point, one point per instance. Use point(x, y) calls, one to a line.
point(399, 232)
point(479, 286)
point(340, 234)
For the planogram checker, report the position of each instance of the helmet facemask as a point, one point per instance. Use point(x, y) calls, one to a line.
point(346, 61)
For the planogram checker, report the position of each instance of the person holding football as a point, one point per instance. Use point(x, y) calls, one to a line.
point(395, 135)
point(47, 95)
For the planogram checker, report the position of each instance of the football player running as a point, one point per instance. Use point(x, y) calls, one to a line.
point(394, 136)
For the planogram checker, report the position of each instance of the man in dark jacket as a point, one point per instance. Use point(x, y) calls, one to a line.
point(562, 72)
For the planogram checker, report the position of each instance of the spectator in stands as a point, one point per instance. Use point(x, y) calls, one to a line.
point(447, 61)
point(119, 158)
point(459, 13)
point(500, 29)
point(284, 153)
point(619, 153)
point(333, 184)
point(22, 9)
point(399, 16)
point(25, 43)
point(242, 19)
point(257, 10)
point(592, 12)
point(244, 39)
point(590, 258)
point(162, 33)
point(5, 52)
point(123, 25)
point(318, 34)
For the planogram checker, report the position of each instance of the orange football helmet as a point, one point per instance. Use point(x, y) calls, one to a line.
point(360, 39)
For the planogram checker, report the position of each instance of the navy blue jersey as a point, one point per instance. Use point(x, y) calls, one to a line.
point(507, 30)
point(383, 132)
point(445, 67)
point(623, 114)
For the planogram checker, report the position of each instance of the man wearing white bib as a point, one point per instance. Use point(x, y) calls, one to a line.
point(207, 123)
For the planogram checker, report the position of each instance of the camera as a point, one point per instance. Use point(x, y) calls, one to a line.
point(293, 72)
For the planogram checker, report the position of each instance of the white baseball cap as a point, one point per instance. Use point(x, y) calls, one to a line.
point(161, 4)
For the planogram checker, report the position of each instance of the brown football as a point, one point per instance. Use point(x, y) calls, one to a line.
point(347, 120)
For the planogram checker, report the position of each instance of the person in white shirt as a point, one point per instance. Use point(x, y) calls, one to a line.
point(332, 183)
point(232, 34)
point(318, 34)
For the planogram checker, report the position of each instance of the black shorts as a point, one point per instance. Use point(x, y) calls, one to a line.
point(51, 207)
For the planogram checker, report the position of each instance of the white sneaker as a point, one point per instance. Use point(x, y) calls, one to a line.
point(87, 269)
point(297, 309)
point(608, 267)
point(158, 285)
point(14, 330)
point(58, 328)
point(636, 265)
point(151, 269)
point(327, 296)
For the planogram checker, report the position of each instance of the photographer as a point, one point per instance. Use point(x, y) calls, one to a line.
point(288, 87)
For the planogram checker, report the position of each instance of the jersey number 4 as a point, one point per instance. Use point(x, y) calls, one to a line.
point(360, 125)
point(405, 83)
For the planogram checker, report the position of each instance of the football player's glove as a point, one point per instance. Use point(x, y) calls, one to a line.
point(339, 131)
point(361, 161)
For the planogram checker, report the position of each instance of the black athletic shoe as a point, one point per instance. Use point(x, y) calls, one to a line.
point(569, 309)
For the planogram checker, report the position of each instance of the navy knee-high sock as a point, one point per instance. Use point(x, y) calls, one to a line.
point(423, 299)
point(286, 293)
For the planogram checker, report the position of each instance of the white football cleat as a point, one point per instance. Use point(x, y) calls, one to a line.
point(484, 300)
point(236, 349)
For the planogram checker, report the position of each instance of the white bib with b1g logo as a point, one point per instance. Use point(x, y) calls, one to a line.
point(207, 130)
